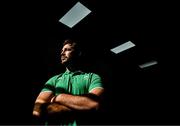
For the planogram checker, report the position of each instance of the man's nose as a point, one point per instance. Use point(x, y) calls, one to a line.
point(62, 53)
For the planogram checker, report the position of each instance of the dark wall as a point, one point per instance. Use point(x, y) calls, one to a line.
point(29, 56)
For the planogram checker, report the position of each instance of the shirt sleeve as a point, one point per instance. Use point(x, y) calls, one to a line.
point(50, 84)
point(95, 82)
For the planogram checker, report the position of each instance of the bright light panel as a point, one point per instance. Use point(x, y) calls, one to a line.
point(123, 47)
point(75, 15)
point(148, 64)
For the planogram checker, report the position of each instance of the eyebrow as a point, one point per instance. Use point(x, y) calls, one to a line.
point(67, 48)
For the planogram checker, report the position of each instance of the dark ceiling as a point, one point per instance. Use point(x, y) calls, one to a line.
point(32, 34)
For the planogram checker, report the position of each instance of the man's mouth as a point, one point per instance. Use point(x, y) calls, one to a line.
point(63, 58)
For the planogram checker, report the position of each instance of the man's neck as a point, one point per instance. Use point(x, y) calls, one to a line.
point(72, 68)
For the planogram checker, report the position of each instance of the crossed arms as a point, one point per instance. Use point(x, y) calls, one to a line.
point(67, 102)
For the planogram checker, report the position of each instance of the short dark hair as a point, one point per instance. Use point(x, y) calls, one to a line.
point(74, 44)
point(71, 42)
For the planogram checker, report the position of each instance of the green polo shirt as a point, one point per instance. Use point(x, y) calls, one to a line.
point(75, 83)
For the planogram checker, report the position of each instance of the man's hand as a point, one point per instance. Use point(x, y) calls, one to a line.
point(36, 113)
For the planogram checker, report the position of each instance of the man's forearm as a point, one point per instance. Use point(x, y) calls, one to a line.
point(54, 108)
point(49, 108)
point(42, 100)
point(37, 109)
point(76, 102)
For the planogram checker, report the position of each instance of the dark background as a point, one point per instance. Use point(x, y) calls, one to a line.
point(30, 39)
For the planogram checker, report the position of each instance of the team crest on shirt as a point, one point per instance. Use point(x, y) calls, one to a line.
point(59, 78)
point(86, 77)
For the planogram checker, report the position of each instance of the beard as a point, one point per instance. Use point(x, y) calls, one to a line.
point(64, 60)
point(68, 60)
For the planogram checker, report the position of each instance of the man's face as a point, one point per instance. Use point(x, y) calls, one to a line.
point(66, 53)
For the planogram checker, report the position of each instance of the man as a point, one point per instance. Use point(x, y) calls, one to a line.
point(66, 96)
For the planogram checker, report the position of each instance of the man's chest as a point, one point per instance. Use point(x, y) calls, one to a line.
point(75, 85)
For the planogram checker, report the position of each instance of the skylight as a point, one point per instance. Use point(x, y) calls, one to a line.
point(75, 15)
point(123, 47)
point(148, 64)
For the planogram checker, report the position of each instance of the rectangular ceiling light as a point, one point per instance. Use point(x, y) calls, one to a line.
point(75, 15)
point(148, 64)
point(123, 47)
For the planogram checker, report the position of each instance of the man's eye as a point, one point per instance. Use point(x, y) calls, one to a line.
point(66, 50)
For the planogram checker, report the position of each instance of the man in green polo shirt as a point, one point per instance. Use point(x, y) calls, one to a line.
point(66, 96)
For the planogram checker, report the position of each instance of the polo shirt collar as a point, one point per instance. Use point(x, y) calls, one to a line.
point(73, 72)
